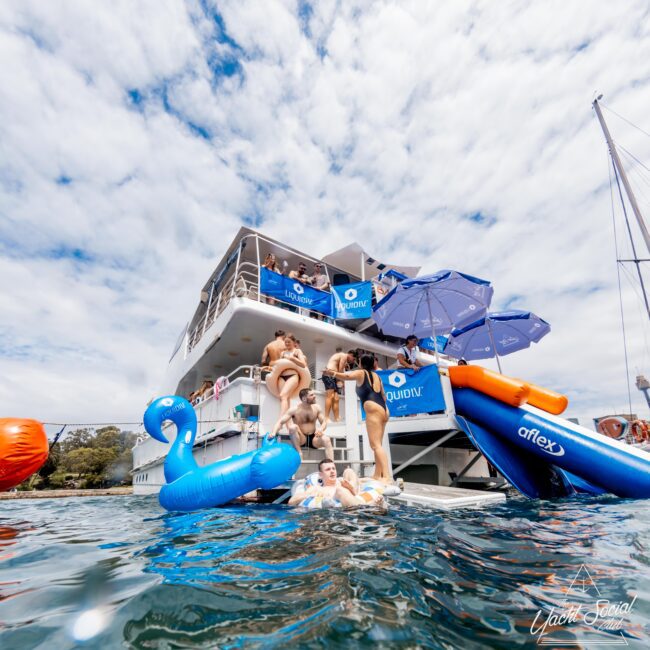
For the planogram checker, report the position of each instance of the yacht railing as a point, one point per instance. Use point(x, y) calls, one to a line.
point(245, 284)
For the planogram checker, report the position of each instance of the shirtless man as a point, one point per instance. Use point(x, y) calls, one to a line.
point(273, 350)
point(337, 363)
point(302, 423)
point(345, 489)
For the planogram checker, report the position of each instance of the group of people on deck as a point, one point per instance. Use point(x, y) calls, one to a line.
point(306, 422)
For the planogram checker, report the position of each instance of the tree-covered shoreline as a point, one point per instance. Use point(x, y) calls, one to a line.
point(86, 458)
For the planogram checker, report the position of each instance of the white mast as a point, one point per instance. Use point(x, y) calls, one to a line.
point(618, 168)
point(622, 174)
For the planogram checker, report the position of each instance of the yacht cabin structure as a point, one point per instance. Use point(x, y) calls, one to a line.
point(224, 340)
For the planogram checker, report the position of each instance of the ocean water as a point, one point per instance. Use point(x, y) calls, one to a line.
point(118, 572)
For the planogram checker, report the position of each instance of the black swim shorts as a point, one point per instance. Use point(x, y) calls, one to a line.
point(330, 383)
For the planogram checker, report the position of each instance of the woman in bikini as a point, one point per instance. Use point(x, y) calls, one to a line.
point(289, 379)
point(371, 394)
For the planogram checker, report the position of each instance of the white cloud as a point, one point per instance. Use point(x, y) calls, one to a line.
point(387, 123)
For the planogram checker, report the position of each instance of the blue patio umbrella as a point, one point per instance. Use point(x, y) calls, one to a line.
point(495, 335)
point(433, 304)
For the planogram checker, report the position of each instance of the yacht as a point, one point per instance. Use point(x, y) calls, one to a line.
point(223, 344)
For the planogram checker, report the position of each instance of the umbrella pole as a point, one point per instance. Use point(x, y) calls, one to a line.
point(494, 346)
point(433, 330)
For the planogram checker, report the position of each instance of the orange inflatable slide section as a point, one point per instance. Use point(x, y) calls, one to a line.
point(506, 389)
point(23, 450)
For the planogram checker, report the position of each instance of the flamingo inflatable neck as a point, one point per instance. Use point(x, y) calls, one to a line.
point(179, 460)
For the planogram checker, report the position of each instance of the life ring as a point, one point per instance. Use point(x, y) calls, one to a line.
point(640, 431)
point(281, 367)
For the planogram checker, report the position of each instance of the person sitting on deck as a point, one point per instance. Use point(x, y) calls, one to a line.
point(306, 424)
point(407, 355)
point(203, 392)
point(344, 490)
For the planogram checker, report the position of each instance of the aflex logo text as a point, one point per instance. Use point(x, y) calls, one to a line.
point(550, 447)
point(397, 379)
point(298, 288)
point(350, 294)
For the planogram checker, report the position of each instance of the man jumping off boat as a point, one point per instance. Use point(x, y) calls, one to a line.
point(305, 424)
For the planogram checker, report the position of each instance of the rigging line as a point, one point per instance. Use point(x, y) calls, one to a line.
point(629, 231)
point(618, 276)
point(628, 275)
point(643, 177)
point(631, 155)
point(625, 119)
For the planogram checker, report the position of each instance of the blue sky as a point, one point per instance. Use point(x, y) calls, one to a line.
point(135, 139)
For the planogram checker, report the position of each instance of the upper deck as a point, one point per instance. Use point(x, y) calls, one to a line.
point(234, 320)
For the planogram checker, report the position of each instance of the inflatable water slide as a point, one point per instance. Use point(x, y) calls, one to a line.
point(516, 426)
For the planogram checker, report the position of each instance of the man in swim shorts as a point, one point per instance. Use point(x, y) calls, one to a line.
point(273, 350)
point(344, 489)
point(305, 423)
point(337, 362)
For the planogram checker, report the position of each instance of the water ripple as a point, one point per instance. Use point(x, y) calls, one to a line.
point(119, 572)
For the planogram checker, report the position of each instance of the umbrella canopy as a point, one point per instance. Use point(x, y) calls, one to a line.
point(433, 304)
point(497, 334)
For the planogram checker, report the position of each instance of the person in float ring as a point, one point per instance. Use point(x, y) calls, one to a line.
point(344, 491)
point(290, 377)
point(371, 394)
point(305, 424)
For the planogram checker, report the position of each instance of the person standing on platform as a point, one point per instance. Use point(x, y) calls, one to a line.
point(337, 362)
point(371, 394)
point(273, 350)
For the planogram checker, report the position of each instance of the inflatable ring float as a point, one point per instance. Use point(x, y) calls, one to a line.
point(370, 491)
point(284, 367)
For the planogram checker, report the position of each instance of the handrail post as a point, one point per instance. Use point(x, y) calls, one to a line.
point(232, 291)
point(259, 268)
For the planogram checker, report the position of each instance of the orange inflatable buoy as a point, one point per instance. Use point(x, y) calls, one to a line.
point(23, 450)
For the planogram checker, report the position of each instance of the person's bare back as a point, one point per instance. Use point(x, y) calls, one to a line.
point(273, 350)
point(337, 362)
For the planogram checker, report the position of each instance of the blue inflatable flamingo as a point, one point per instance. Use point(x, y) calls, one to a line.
point(189, 486)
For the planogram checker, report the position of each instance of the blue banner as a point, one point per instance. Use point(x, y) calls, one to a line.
point(352, 300)
point(409, 392)
point(295, 293)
